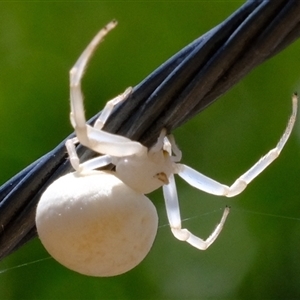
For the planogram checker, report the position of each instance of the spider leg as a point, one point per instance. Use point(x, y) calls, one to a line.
point(94, 138)
point(173, 213)
point(167, 143)
point(174, 148)
point(73, 156)
point(107, 110)
point(211, 186)
point(77, 109)
point(95, 163)
point(91, 164)
point(159, 145)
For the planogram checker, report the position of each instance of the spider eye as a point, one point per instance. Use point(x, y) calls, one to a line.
point(162, 177)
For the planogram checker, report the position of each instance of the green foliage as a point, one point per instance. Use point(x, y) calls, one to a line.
point(257, 254)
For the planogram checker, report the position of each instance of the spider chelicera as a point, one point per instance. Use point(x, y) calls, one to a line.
point(100, 223)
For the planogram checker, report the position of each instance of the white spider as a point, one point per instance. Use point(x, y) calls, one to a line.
point(99, 223)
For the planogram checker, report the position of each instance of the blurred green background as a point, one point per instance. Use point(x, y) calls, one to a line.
point(257, 254)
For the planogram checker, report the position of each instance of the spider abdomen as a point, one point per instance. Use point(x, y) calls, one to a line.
point(96, 225)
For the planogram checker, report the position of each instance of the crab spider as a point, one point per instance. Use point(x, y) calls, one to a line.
point(100, 223)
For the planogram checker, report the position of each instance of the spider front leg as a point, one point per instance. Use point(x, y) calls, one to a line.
point(93, 137)
point(173, 213)
point(211, 186)
point(77, 109)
